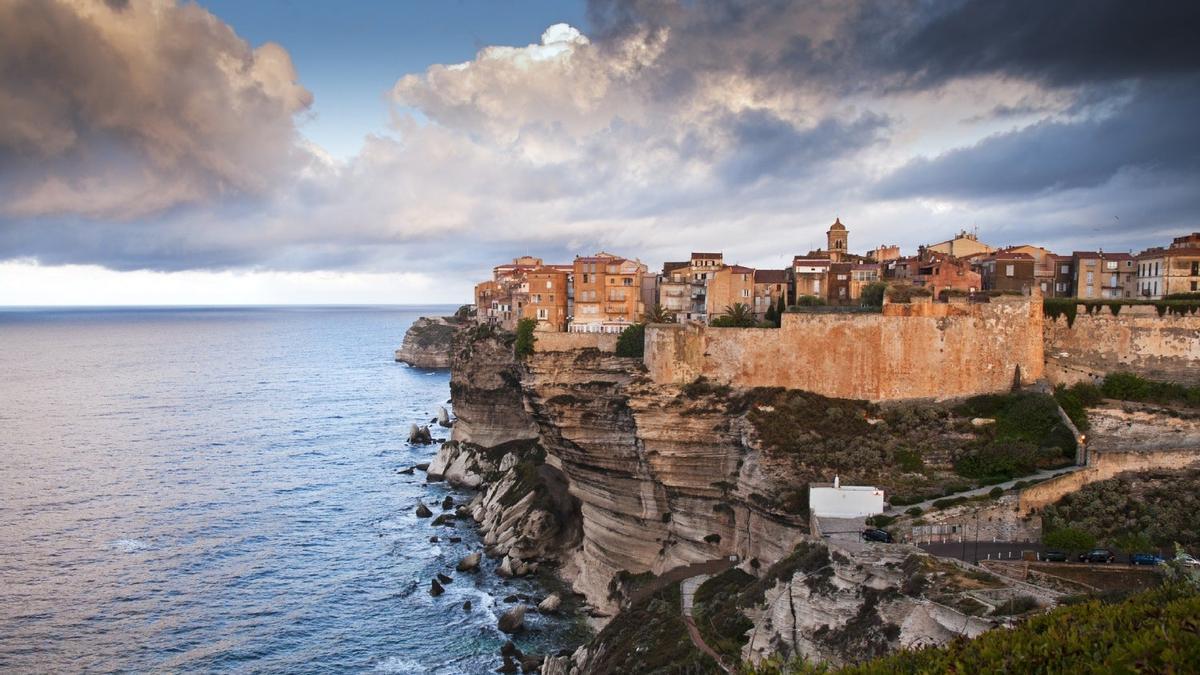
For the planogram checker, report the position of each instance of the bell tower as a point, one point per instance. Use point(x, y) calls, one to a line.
point(837, 236)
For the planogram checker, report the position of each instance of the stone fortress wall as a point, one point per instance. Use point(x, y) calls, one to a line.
point(925, 349)
point(1137, 340)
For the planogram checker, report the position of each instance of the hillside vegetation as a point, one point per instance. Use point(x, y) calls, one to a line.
point(1156, 631)
point(915, 451)
point(1133, 511)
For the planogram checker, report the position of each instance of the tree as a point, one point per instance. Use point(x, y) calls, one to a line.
point(772, 316)
point(632, 341)
point(737, 315)
point(781, 307)
point(658, 314)
point(1069, 539)
point(872, 294)
point(523, 346)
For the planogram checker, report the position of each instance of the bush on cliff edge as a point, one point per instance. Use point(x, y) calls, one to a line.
point(632, 341)
point(525, 338)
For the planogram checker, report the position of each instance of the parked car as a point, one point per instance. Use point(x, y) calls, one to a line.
point(874, 534)
point(1054, 556)
point(1145, 559)
point(1097, 555)
point(1187, 560)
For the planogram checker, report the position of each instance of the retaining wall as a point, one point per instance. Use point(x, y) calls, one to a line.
point(1137, 340)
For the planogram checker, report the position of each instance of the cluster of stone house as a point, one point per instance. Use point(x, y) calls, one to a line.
point(605, 293)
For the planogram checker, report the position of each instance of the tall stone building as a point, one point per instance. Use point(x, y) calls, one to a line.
point(837, 237)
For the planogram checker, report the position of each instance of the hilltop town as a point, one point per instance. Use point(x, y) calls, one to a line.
point(606, 293)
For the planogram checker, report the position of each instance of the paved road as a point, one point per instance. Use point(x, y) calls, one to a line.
point(985, 550)
point(1007, 485)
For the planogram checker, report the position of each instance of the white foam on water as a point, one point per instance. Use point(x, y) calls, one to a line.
point(130, 545)
point(396, 664)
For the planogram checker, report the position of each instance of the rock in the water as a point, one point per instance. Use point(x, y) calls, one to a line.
point(447, 503)
point(455, 540)
point(423, 511)
point(445, 519)
point(510, 649)
point(462, 512)
point(444, 578)
point(467, 606)
point(443, 418)
point(513, 620)
point(550, 604)
point(469, 563)
point(419, 435)
point(423, 466)
point(434, 540)
point(509, 666)
point(511, 598)
point(531, 663)
point(435, 589)
point(407, 472)
point(506, 567)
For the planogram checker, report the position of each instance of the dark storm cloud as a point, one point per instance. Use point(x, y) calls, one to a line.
point(906, 44)
point(765, 146)
point(1154, 132)
point(1060, 42)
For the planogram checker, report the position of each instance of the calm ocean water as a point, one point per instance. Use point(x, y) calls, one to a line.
point(199, 490)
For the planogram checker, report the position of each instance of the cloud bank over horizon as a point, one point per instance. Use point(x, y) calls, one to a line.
point(147, 135)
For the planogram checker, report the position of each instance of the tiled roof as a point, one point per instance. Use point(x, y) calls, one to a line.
point(740, 269)
point(706, 255)
point(771, 276)
point(669, 267)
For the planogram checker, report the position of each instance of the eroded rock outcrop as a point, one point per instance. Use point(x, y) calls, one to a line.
point(428, 342)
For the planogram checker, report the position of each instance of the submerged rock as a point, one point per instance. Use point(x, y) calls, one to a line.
point(445, 579)
point(445, 519)
point(469, 563)
point(447, 503)
point(423, 511)
point(513, 620)
point(435, 589)
point(467, 606)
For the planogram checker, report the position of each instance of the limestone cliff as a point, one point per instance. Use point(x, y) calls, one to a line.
point(585, 463)
point(428, 341)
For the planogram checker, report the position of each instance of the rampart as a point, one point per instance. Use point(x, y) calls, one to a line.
point(918, 350)
point(1102, 467)
point(1137, 340)
point(565, 342)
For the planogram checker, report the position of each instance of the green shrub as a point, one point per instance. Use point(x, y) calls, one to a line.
point(1056, 307)
point(914, 511)
point(872, 294)
point(1158, 505)
point(1130, 387)
point(909, 460)
point(523, 346)
point(632, 341)
point(996, 493)
point(948, 502)
point(880, 520)
point(717, 615)
point(1076, 399)
point(904, 293)
point(809, 301)
point(1018, 605)
point(1069, 539)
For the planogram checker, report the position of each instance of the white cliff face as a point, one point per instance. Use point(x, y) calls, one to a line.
point(459, 466)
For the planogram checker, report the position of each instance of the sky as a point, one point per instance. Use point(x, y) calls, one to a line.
point(287, 151)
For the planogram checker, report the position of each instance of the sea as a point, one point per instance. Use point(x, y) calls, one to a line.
point(221, 490)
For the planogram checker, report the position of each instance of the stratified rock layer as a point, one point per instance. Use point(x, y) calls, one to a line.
point(428, 342)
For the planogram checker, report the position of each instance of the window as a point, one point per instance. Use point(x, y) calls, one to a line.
point(1111, 265)
point(1090, 278)
point(1010, 270)
point(1066, 269)
point(745, 292)
point(627, 281)
point(549, 284)
point(543, 314)
point(1196, 268)
point(1195, 284)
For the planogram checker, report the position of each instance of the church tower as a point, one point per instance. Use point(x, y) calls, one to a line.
point(837, 236)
